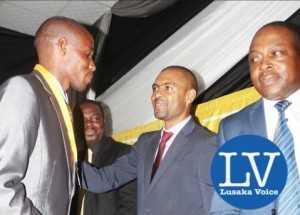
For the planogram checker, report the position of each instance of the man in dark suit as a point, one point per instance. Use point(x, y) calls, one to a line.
point(37, 146)
point(101, 151)
point(274, 59)
point(171, 165)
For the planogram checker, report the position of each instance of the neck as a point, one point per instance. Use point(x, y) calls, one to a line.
point(57, 73)
point(170, 123)
point(91, 144)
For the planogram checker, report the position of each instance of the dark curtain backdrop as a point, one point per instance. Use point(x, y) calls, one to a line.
point(130, 39)
point(17, 54)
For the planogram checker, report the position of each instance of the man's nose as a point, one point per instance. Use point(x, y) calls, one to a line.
point(92, 66)
point(88, 124)
point(266, 64)
point(157, 93)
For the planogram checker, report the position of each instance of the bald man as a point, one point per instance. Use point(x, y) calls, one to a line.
point(171, 165)
point(274, 60)
point(37, 147)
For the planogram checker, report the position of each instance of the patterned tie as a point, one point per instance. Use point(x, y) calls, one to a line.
point(288, 201)
point(162, 145)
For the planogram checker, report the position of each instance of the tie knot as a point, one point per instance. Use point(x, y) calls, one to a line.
point(281, 106)
point(166, 136)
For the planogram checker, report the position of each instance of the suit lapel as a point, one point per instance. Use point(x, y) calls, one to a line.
point(174, 152)
point(62, 127)
point(149, 157)
point(257, 119)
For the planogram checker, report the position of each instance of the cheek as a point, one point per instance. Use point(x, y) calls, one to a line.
point(82, 67)
point(98, 127)
point(86, 62)
point(291, 72)
point(254, 76)
point(177, 103)
point(281, 68)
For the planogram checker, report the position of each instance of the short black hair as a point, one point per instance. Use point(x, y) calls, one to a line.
point(193, 77)
point(97, 103)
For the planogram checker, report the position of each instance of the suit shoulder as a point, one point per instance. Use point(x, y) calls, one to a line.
point(20, 82)
point(203, 139)
point(118, 144)
point(145, 137)
point(203, 130)
point(19, 89)
point(243, 112)
point(148, 134)
point(15, 93)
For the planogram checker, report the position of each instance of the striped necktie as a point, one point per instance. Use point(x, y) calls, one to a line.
point(288, 200)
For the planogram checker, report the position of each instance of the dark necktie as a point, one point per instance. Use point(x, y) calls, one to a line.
point(288, 200)
point(162, 145)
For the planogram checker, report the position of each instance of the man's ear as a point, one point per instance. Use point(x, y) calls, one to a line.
point(190, 96)
point(62, 45)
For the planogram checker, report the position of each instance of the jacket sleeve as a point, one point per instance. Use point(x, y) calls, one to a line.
point(123, 170)
point(18, 130)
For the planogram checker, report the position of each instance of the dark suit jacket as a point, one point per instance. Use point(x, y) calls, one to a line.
point(182, 183)
point(121, 201)
point(36, 173)
point(250, 120)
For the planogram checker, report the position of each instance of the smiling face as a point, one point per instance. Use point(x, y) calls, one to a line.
point(93, 123)
point(274, 63)
point(172, 95)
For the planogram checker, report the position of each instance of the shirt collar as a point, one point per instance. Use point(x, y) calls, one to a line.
point(61, 89)
point(176, 128)
point(294, 99)
point(57, 83)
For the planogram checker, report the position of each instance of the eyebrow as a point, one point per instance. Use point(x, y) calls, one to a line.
point(165, 83)
point(252, 51)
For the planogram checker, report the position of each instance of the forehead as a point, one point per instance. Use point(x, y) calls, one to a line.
point(272, 35)
point(83, 40)
point(88, 108)
point(171, 76)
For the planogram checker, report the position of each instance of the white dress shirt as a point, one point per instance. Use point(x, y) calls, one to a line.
point(175, 130)
point(61, 90)
point(292, 113)
point(89, 155)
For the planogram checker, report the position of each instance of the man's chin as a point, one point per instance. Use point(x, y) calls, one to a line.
point(273, 94)
point(90, 140)
point(91, 144)
point(159, 116)
point(80, 88)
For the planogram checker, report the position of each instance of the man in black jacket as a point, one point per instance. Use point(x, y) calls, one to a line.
point(101, 151)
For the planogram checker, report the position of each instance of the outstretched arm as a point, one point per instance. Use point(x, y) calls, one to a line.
point(123, 170)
